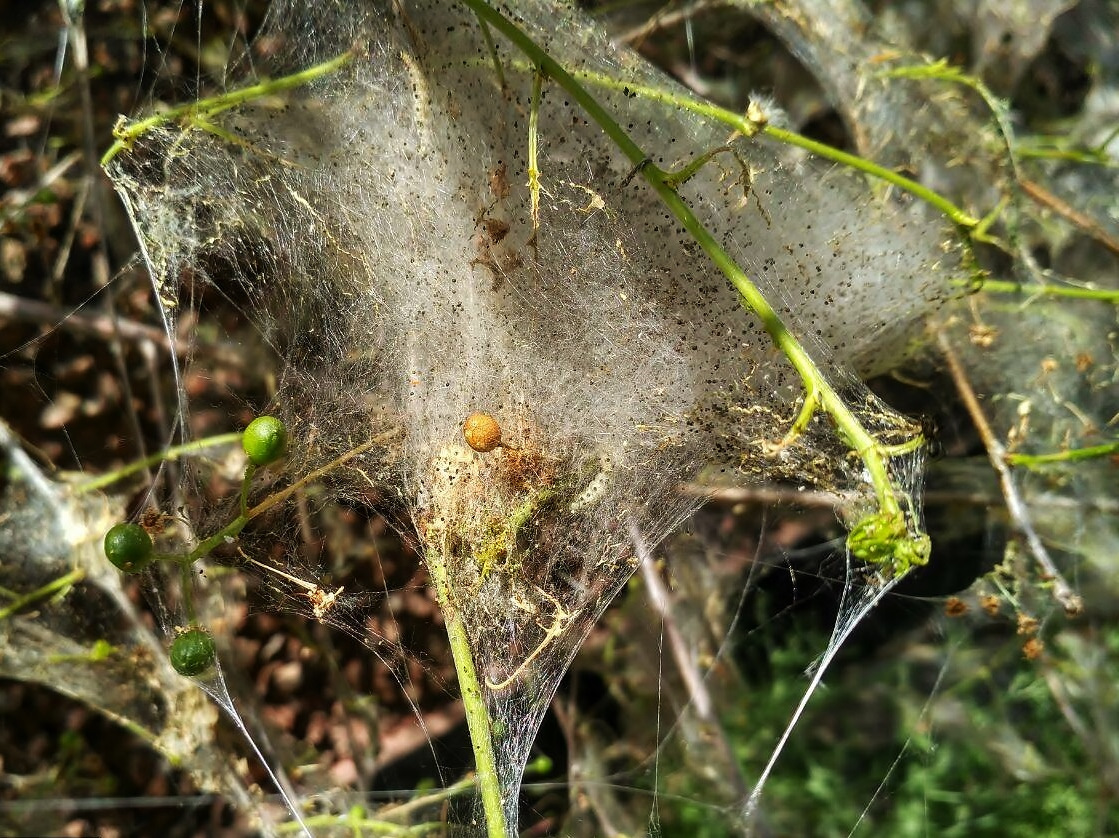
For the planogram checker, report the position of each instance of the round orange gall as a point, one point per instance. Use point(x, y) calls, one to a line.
point(481, 431)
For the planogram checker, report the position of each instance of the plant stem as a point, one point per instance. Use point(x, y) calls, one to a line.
point(61, 583)
point(186, 579)
point(943, 71)
point(172, 453)
point(749, 127)
point(404, 811)
point(849, 428)
point(127, 133)
point(1016, 507)
point(312, 476)
point(361, 825)
point(477, 716)
point(1072, 455)
point(1005, 286)
point(204, 547)
point(954, 213)
point(230, 530)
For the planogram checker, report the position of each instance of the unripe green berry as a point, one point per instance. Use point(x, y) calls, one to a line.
point(192, 652)
point(265, 440)
point(129, 547)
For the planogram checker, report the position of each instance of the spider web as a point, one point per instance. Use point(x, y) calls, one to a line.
point(377, 229)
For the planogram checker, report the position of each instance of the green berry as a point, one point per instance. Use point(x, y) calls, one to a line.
point(129, 547)
point(265, 440)
point(192, 652)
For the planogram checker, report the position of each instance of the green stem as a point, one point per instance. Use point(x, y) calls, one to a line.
point(405, 811)
point(172, 453)
point(359, 826)
point(477, 716)
point(127, 133)
point(1072, 455)
point(749, 126)
point(1091, 157)
point(312, 476)
point(234, 527)
point(498, 70)
point(686, 172)
point(800, 424)
point(941, 70)
point(1003, 286)
point(61, 583)
point(918, 190)
point(1101, 149)
point(246, 485)
point(850, 429)
point(226, 533)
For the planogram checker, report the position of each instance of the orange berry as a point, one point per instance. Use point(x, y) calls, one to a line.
point(481, 431)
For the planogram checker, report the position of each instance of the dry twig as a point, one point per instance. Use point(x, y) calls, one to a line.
point(1016, 507)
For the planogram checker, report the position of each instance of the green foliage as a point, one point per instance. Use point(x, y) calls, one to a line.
point(959, 735)
point(990, 753)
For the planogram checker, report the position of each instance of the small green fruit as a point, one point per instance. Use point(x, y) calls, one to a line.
point(265, 440)
point(192, 652)
point(129, 547)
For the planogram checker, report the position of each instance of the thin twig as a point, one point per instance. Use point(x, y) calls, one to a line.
point(62, 583)
point(17, 199)
point(1085, 222)
point(1015, 505)
point(77, 321)
point(694, 680)
point(403, 811)
point(99, 257)
point(586, 795)
point(1085, 291)
point(755, 121)
point(197, 112)
point(24, 310)
point(931, 497)
point(664, 20)
point(166, 455)
point(768, 494)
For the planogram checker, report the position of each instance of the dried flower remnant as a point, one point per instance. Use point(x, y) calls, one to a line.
point(955, 607)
